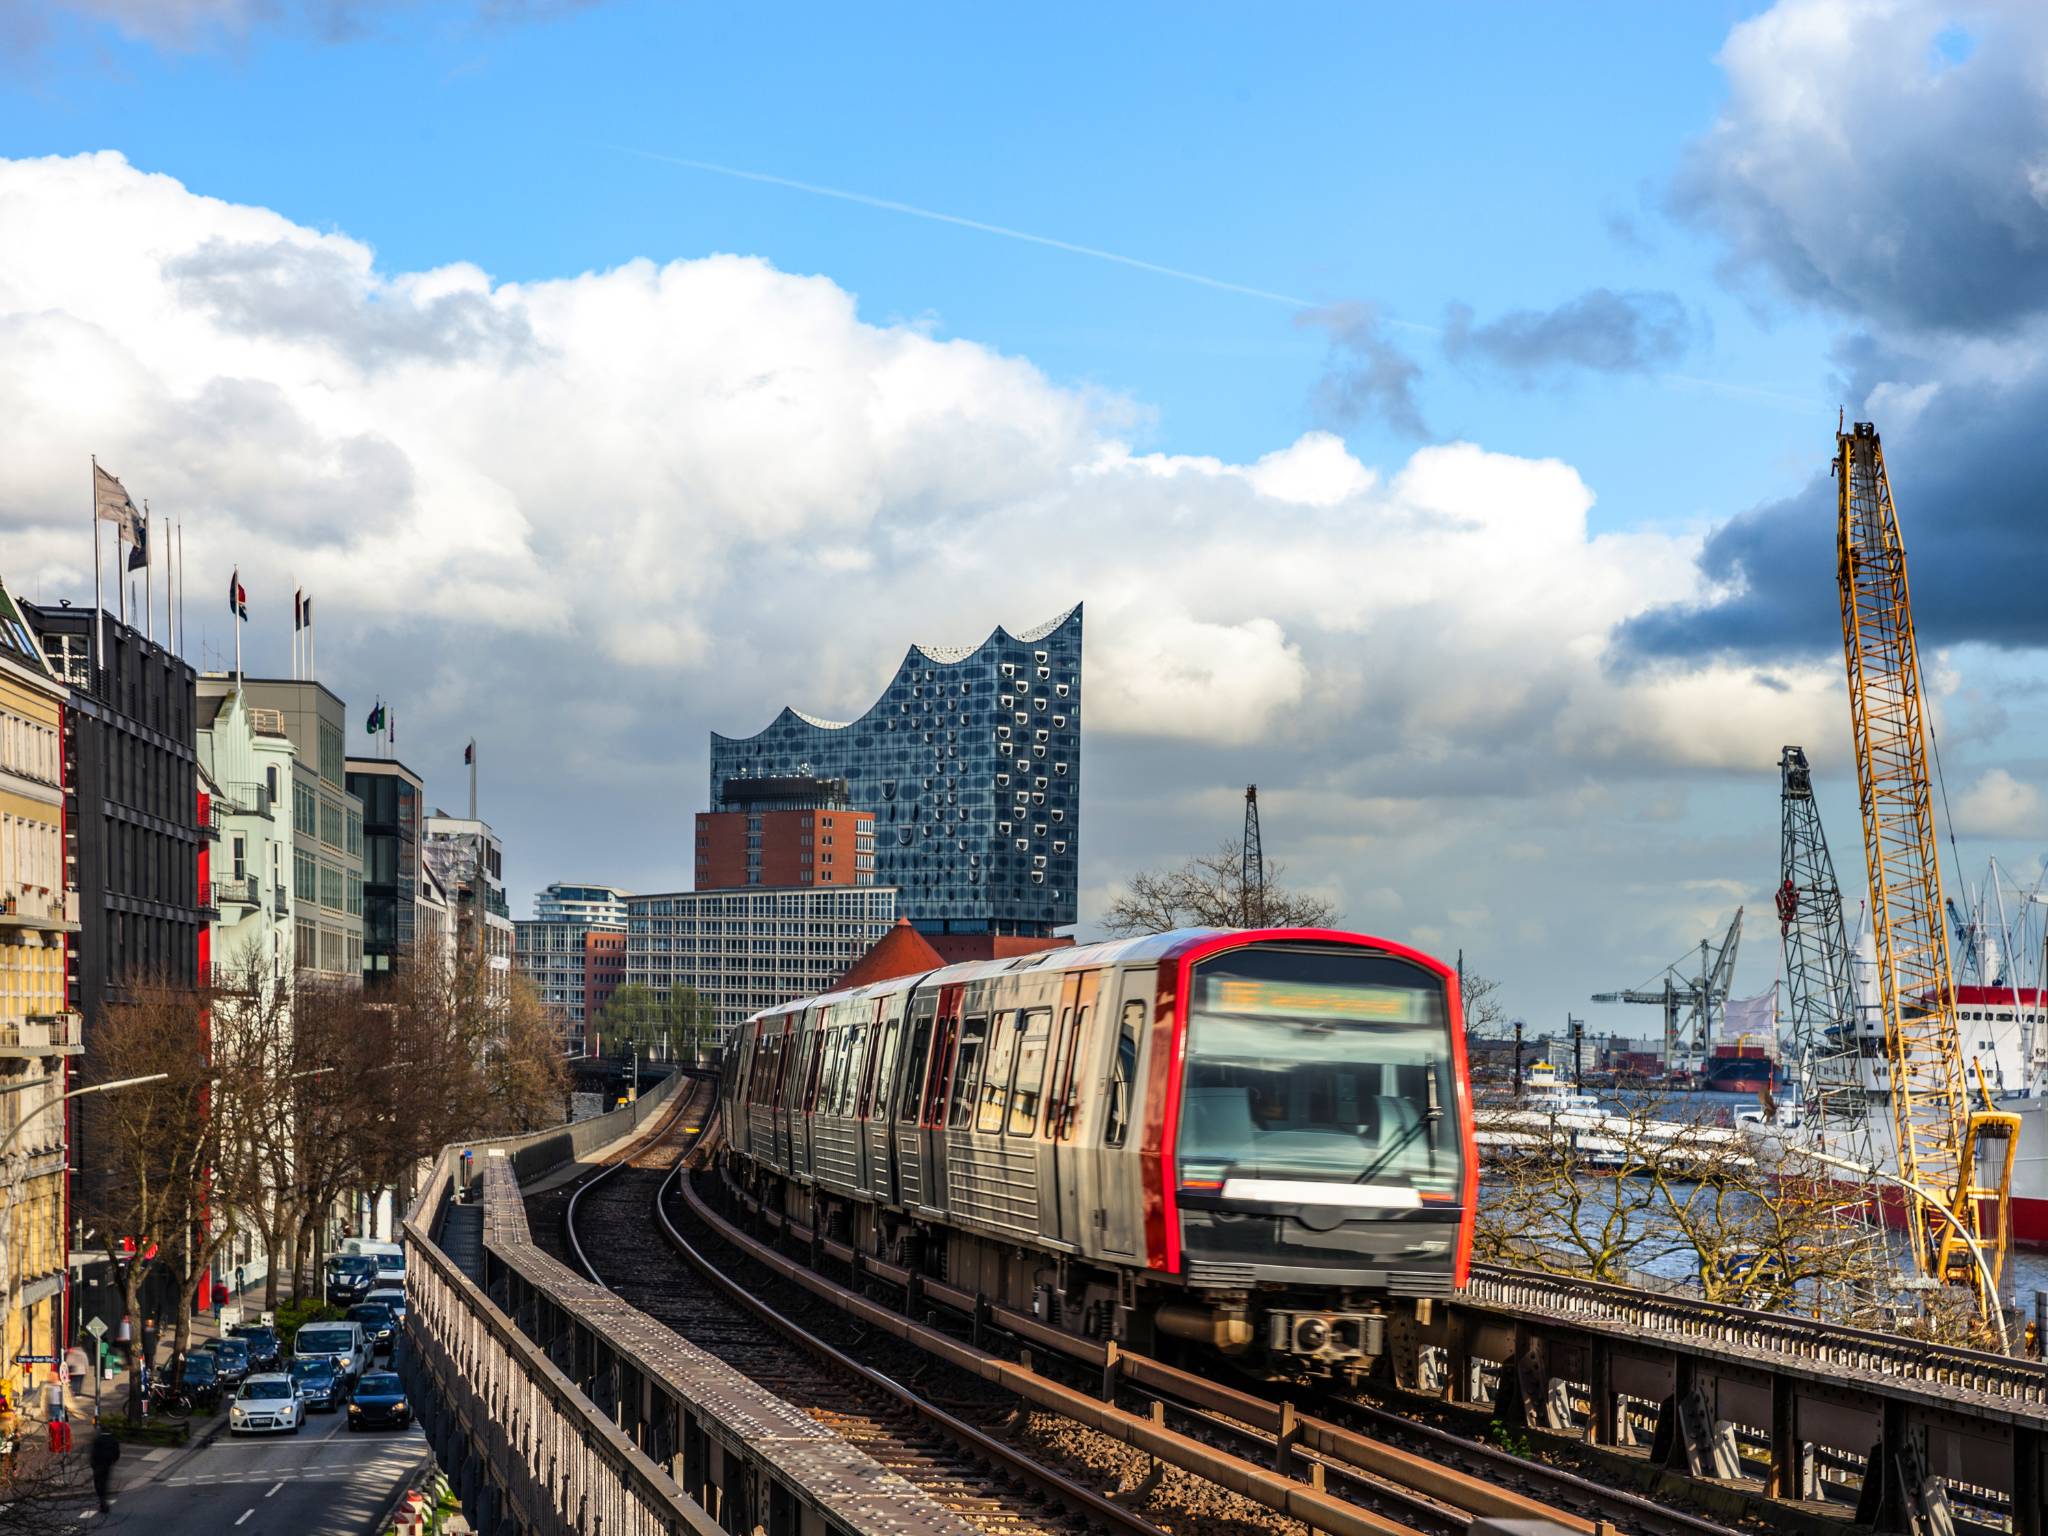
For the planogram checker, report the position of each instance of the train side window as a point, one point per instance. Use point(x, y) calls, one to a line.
point(856, 1064)
point(995, 1087)
point(914, 1068)
point(1123, 1075)
point(1025, 1093)
point(967, 1068)
point(821, 1050)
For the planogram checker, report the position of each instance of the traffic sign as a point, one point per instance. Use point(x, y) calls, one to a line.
point(96, 1328)
point(35, 1359)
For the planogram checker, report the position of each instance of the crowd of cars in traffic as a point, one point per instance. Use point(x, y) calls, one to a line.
point(330, 1365)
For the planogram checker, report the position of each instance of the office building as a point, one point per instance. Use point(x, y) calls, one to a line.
point(38, 1029)
point(394, 811)
point(748, 949)
point(573, 951)
point(600, 906)
point(794, 831)
point(326, 878)
point(469, 861)
point(248, 763)
point(970, 766)
point(132, 836)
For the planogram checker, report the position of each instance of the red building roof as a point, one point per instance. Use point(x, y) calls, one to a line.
point(902, 951)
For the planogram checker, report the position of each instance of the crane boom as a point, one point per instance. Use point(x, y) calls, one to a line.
point(1937, 1133)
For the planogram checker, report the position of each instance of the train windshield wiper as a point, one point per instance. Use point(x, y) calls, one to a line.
point(1428, 1120)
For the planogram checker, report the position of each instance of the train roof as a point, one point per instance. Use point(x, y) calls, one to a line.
point(1146, 948)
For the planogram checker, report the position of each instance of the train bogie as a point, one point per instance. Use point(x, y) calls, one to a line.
point(1254, 1142)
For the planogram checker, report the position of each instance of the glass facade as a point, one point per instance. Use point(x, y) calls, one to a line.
point(971, 764)
point(388, 832)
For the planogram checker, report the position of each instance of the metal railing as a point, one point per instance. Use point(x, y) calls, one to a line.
point(39, 1031)
point(516, 1428)
point(235, 893)
point(1832, 1347)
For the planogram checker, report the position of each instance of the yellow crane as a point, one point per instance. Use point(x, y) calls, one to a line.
point(1948, 1147)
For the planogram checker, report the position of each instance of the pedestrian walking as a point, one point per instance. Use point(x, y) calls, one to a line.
point(106, 1450)
point(75, 1367)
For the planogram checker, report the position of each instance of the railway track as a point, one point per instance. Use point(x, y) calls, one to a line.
point(950, 1445)
point(1361, 1469)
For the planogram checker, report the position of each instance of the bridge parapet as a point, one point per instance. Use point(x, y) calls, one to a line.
point(573, 1412)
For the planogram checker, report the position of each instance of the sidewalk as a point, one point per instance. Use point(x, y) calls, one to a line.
point(113, 1391)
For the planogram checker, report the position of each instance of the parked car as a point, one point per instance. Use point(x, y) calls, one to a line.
point(233, 1358)
point(350, 1277)
point(341, 1344)
point(200, 1379)
point(377, 1323)
point(319, 1384)
point(263, 1345)
point(379, 1403)
point(267, 1404)
point(394, 1298)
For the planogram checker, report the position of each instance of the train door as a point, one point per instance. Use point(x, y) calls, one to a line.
point(938, 1094)
point(1115, 1200)
point(810, 1025)
point(907, 1102)
point(1059, 1190)
point(876, 1147)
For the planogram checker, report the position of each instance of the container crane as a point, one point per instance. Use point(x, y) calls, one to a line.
point(1820, 1001)
point(1689, 1001)
point(1961, 1155)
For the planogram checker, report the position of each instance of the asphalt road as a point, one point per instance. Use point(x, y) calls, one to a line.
point(324, 1481)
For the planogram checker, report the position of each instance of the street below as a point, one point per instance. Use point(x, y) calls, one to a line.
point(324, 1481)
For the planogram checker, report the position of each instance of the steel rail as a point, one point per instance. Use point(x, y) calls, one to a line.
point(1066, 1490)
point(624, 1159)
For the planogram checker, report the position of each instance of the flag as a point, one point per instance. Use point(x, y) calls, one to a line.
point(238, 598)
point(110, 502)
point(469, 753)
point(391, 725)
point(376, 721)
point(298, 609)
point(138, 557)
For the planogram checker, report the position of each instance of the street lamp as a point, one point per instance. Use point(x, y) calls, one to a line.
point(1773, 1150)
point(64, 1098)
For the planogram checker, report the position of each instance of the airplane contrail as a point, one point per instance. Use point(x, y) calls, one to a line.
point(889, 205)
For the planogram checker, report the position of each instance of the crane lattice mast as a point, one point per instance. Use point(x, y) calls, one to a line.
point(1251, 883)
point(1820, 997)
point(1941, 1142)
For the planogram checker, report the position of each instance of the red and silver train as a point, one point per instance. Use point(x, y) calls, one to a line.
point(1257, 1141)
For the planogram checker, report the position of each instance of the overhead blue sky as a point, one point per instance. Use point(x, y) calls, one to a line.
point(421, 304)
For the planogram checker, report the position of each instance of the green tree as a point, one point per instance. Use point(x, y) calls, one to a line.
point(666, 1026)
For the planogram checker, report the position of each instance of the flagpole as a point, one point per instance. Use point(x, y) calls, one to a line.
point(472, 778)
point(99, 582)
point(181, 590)
point(148, 587)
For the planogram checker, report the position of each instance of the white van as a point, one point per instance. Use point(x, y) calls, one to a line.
point(341, 1343)
point(389, 1258)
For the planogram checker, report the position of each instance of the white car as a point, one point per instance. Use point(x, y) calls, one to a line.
point(266, 1405)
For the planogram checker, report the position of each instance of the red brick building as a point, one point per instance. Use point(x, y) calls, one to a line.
point(785, 832)
point(604, 968)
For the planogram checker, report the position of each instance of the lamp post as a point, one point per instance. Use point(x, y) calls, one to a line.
point(1773, 1150)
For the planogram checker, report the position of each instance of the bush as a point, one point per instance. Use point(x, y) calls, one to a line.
point(294, 1315)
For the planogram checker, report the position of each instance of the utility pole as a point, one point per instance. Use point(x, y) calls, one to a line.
point(1518, 1061)
point(1251, 882)
point(1578, 1033)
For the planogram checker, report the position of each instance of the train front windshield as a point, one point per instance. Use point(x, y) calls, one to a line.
point(1318, 1064)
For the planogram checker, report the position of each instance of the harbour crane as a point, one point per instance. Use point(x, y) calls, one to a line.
point(1820, 1000)
point(1251, 874)
point(1958, 1154)
point(1689, 1001)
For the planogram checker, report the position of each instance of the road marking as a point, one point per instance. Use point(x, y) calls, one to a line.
point(246, 1514)
point(273, 1488)
point(162, 1455)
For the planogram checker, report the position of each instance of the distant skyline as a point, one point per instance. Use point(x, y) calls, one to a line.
point(1433, 409)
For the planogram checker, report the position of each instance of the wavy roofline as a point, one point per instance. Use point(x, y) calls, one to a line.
point(944, 656)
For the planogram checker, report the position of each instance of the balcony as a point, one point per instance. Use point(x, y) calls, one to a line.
point(38, 910)
point(40, 1034)
point(250, 799)
point(280, 901)
point(234, 895)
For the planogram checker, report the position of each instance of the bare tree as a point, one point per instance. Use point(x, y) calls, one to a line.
point(1208, 892)
point(1484, 1011)
point(40, 1493)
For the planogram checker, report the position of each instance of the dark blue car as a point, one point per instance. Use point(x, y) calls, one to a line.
point(319, 1383)
point(379, 1403)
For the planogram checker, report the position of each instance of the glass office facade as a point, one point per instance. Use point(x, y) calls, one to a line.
point(971, 764)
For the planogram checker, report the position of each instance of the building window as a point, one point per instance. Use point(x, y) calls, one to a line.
point(305, 809)
point(305, 878)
